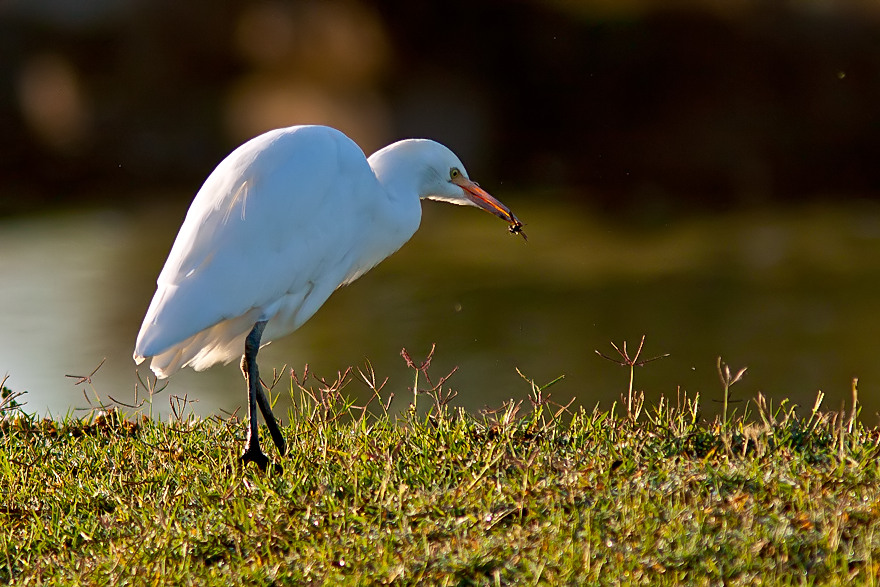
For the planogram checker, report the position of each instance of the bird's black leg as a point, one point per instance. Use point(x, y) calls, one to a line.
point(262, 400)
point(269, 417)
point(257, 397)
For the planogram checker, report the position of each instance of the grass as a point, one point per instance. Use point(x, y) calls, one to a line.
point(531, 493)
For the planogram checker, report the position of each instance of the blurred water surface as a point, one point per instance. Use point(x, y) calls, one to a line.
point(789, 292)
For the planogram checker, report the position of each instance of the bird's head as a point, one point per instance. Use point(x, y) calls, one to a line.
point(441, 176)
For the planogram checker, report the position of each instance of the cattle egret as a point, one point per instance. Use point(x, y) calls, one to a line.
point(282, 222)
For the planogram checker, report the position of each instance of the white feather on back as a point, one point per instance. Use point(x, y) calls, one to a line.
point(282, 222)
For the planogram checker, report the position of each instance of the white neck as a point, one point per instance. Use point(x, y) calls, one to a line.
point(400, 169)
point(401, 178)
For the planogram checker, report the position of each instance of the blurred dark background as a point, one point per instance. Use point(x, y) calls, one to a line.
point(660, 106)
point(701, 171)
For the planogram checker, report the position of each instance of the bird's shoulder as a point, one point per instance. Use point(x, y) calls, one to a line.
point(284, 191)
point(282, 172)
point(304, 156)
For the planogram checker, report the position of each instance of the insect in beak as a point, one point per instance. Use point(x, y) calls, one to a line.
point(484, 200)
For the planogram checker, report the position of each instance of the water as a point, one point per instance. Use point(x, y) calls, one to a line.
point(791, 293)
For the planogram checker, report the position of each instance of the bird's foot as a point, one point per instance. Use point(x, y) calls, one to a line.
point(253, 454)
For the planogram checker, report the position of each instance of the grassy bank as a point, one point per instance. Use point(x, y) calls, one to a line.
point(532, 493)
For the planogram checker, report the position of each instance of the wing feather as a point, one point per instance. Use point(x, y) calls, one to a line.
point(275, 229)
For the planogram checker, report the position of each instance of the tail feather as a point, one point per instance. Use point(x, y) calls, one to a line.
point(220, 343)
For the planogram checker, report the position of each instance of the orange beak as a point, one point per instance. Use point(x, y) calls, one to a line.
point(484, 200)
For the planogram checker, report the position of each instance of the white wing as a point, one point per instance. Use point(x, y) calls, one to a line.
point(282, 222)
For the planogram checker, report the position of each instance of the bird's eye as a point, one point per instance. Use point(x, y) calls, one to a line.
point(454, 172)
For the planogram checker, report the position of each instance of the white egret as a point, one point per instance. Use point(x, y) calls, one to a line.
point(282, 222)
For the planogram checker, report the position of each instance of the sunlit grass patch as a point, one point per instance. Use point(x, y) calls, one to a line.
point(530, 492)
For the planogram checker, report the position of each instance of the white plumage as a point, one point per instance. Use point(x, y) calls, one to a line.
point(282, 222)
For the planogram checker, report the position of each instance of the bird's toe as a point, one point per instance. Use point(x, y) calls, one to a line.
point(255, 455)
